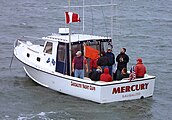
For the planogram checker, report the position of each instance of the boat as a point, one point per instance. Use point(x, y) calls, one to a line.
point(50, 66)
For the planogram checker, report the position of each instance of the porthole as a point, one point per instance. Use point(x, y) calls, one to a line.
point(38, 59)
point(28, 55)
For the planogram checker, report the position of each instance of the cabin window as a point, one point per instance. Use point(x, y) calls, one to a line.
point(95, 45)
point(75, 48)
point(61, 52)
point(48, 47)
point(104, 46)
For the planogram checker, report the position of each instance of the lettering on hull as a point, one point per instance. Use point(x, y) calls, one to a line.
point(82, 85)
point(131, 95)
point(124, 89)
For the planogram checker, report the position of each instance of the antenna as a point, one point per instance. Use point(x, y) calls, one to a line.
point(112, 19)
point(83, 16)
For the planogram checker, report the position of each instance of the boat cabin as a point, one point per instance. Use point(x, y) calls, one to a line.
point(56, 48)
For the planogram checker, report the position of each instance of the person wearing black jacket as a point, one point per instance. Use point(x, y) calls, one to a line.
point(103, 61)
point(95, 75)
point(124, 74)
point(122, 60)
point(111, 59)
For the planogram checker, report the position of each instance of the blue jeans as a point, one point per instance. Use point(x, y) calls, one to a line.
point(110, 70)
point(79, 73)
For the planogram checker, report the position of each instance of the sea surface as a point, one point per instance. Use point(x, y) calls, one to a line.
point(143, 27)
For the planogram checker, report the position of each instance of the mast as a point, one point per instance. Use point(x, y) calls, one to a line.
point(70, 48)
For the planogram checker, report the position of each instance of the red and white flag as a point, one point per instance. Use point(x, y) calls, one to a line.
point(72, 17)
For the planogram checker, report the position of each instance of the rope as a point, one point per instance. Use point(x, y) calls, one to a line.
point(104, 22)
point(92, 20)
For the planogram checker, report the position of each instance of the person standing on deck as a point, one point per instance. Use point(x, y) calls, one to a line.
point(111, 59)
point(103, 61)
point(122, 60)
point(78, 65)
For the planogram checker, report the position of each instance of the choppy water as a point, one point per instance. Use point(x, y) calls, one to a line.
point(144, 27)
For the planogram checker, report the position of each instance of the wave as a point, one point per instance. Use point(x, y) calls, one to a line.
point(45, 116)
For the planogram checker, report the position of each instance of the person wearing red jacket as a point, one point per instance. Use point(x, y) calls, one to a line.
point(140, 69)
point(106, 77)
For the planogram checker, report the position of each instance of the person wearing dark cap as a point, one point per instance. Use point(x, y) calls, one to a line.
point(102, 61)
point(140, 69)
point(111, 59)
point(122, 60)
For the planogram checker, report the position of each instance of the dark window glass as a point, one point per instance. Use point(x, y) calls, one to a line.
point(61, 52)
point(48, 47)
point(75, 48)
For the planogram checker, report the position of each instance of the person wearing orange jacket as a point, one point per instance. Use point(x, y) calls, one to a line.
point(140, 69)
point(106, 77)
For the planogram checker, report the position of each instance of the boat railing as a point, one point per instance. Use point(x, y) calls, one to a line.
point(20, 41)
point(28, 40)
point(17, 42)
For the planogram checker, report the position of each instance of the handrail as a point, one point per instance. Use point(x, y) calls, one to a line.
point(15, 43)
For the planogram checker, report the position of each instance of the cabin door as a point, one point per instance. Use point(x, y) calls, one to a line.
point(62, 58)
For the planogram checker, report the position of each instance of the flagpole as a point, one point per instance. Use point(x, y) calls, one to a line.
point(83, 15)
point(70, 49)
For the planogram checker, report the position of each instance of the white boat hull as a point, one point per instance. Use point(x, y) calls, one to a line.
point(43, 72)
point(100, 92)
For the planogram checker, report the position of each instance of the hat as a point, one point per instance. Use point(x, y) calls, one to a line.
point(139, 60)
point(78, 53)
point(109, 48)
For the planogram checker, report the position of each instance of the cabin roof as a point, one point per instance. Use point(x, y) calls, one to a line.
point(74, 38)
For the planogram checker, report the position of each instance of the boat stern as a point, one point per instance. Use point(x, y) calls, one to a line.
point(128, 90)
